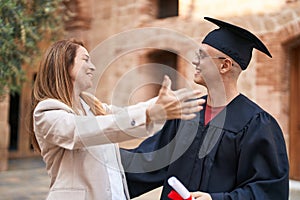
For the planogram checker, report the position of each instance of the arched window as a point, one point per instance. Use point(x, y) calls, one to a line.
point(167, 8)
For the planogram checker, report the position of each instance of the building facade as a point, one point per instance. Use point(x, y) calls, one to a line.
point(133, 43)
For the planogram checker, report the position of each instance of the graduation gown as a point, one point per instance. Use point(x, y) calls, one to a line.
point(240, 154)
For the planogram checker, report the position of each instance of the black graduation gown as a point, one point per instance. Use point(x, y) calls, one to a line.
point(240, 154)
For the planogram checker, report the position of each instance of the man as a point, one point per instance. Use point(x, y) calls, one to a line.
point(233, 149)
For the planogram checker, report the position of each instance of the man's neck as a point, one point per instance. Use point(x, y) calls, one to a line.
point(221, 97)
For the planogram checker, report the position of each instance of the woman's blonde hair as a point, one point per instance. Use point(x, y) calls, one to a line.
point(53, 80)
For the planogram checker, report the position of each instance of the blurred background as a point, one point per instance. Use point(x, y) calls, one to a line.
point(129, 73)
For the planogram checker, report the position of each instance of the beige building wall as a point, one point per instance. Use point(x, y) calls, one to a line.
point(111, 18)
point(110, 29)
point(228, 8)
point(266, 81)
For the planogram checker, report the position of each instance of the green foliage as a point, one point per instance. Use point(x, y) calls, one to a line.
point(23, 24)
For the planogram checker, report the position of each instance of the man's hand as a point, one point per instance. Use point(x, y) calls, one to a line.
point(201, 196)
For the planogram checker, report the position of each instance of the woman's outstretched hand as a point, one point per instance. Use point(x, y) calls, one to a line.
point(173, 104)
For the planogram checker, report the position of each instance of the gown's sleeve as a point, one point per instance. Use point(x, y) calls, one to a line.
point(263, 169)
point(55, 123)
point(143, 165)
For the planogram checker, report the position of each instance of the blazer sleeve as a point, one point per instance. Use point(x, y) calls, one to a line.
point(55, 122)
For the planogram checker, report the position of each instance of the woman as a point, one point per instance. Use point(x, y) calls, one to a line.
point(76, 134)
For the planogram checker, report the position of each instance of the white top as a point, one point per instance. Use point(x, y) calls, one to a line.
point(112, 166)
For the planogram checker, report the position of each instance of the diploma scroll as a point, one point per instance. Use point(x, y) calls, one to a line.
point(179, 188)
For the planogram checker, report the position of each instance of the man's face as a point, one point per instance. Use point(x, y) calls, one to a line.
point(207, 63)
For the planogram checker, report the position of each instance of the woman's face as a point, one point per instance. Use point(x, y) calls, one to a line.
point(82, 71)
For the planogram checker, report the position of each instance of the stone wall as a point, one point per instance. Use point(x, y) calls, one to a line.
point(4, 133)
point(275, 22)
point(99, 23)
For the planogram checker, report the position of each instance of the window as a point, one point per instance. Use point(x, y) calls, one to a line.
point(14, 110)
point(164, 63)
point(167, 8)
point(291, 1)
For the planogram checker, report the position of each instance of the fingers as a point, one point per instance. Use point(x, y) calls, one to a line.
point(192, 103)
point(189, 109)
point(195, 109)
point(188, 116)
point(192, 106)
point(184, 110)
point(185, 94)
point(179, 91)
point(166, 84)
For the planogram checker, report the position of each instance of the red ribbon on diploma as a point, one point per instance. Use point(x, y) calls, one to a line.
point(173, 195)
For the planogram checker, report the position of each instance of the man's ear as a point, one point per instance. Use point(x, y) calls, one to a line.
point(226, 66)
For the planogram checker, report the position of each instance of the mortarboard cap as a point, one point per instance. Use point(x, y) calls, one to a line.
point(234, 41)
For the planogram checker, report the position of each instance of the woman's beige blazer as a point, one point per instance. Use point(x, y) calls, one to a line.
point(70, 147)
